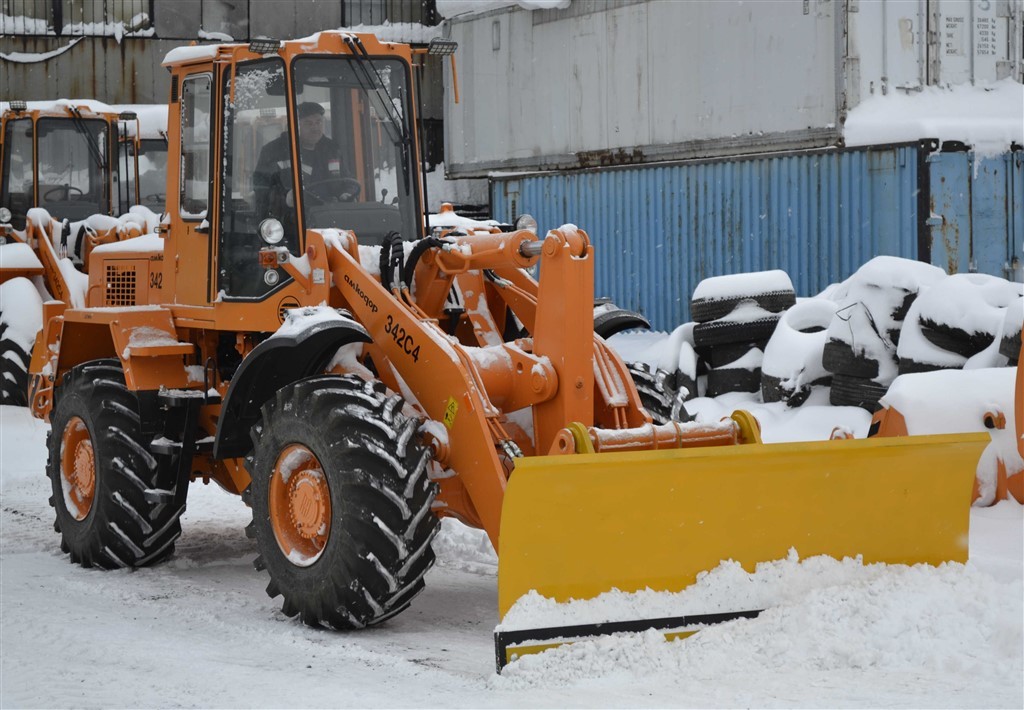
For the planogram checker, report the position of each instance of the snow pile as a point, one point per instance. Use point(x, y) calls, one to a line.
point(954, 619)
point(989, 117)
point(460, 547)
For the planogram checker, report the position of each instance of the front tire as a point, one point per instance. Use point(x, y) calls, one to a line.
point(117, 505)
point(341, 502)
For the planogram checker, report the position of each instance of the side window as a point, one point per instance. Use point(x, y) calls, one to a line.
point(17, 170)
point(196, 122)
point(258, 181)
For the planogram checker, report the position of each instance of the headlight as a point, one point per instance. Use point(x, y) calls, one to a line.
point(527, 222)
point(5, 215)
point(271, 231)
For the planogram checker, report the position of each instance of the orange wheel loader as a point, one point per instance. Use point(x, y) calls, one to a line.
point(294, 338)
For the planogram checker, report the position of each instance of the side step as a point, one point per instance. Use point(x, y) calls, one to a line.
point(511, 645)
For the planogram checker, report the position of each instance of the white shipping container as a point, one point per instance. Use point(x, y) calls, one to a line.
point(608, 82)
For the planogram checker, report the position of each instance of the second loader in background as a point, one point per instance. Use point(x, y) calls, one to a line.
point(68, 183)
point(295, 336)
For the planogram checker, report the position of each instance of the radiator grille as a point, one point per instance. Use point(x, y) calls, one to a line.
point(120, 285)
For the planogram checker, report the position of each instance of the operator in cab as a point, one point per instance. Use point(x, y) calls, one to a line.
point(324, 176)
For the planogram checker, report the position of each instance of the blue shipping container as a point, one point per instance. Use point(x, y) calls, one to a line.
point(659, 229)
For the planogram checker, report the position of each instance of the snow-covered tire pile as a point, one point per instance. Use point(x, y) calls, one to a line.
point(735, 317)
point(863, 335)
point(21, 317)
point(963, 321)
point(356, 551)
point(792, 367)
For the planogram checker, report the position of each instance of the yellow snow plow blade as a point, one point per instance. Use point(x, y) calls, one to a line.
point(576, 526)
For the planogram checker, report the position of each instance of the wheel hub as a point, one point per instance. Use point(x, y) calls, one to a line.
point(300, 505)
point(78, 468)
point(306, 503)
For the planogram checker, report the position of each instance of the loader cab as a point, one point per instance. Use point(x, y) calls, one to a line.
point(57, 158)
point(323, 142)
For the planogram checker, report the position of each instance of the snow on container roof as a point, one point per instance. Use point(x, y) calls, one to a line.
point(989, 117)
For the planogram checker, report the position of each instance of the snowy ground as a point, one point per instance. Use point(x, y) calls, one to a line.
point(199, 630)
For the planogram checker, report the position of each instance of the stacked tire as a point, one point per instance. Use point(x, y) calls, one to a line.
point(863, 335)
point(21, 317)
point(792, 369)
point(735, 318)
point(963, 321)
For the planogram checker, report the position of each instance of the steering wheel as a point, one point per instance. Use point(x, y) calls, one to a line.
point(65, 190)
point(156, 197)
point(345, 188)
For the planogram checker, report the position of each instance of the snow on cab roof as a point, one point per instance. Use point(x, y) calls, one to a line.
point(60, 104)
point(191, 54)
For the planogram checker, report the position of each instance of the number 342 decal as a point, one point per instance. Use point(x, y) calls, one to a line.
point(402, 339)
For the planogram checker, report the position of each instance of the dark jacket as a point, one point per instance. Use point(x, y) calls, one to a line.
point(320, 166)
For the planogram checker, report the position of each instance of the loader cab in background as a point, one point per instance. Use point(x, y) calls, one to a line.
point(57, 158)
point(147, 158)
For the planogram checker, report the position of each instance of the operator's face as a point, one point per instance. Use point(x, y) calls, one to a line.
point(311, 130)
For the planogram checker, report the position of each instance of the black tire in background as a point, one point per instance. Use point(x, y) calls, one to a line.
point(850, 391)
point(839, 358)
point(955, 340)
point(376, 548)
point(724, 332)
point(773, 390)
point(733, 379)
point(724, 355)
point(135, 512)
point(14, 362)
point(1010, 346)
point(659, 392)
point(910, 366)
point(703, 310)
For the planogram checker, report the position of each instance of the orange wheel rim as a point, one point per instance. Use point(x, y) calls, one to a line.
point(77, 468)
point(300, 505)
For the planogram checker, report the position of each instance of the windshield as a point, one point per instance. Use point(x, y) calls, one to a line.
point(355, 146)
point(17, 170)
point(153, 173)
point(73, 167)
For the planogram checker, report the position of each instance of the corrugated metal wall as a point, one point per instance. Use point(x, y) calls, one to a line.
point(972, 202)
point(660, 229)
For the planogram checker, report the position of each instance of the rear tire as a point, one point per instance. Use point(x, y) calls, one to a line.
point(117, 505)
point(14, 362)
point(341, 502)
